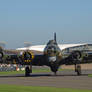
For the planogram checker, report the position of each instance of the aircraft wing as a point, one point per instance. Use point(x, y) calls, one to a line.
point(41, 47)
point(77, 55)
point(22, 57)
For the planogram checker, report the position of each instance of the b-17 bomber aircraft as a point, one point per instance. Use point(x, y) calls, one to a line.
point(52, 57)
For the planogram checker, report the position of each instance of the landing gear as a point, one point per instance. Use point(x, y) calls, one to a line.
point(54, 68)
point(75, 68)
point(55, 73)
point(78, 69)
point(28, 70)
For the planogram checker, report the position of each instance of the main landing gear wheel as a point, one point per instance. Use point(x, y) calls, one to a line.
point(55, 73)
point(28, 70)
point(75, 68)
point(78, 70)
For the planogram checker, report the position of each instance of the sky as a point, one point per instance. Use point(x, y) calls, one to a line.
point(36, 21)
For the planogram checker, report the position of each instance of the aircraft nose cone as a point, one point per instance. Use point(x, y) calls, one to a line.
point(52, 59)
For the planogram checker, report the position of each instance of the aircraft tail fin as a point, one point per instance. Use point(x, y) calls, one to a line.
point(55, 37)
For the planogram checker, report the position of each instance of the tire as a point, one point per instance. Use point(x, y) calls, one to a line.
point(27, 71)
point(78, 70)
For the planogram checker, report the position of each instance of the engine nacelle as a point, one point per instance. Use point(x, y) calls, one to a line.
point(27, 56)
point(76, 55)
point(1, 55)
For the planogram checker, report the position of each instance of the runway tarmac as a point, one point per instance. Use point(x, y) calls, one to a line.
point(64, 79)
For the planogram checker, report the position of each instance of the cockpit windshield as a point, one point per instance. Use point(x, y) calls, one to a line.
point(51, 49)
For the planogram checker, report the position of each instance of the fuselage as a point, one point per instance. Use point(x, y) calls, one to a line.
point(52, 52)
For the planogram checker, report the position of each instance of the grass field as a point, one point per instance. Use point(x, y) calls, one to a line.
point(33, 71)
point(14, 88)
point(90, 75)
point(22, 72)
